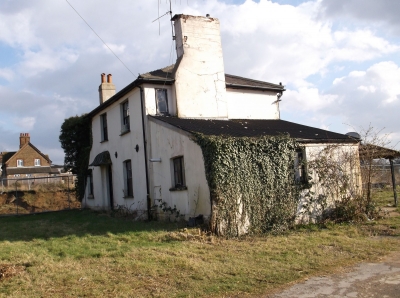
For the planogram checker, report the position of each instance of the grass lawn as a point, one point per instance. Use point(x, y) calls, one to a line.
point(83, 253)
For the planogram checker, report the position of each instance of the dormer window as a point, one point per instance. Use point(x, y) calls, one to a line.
point(37, 162)
point(20, 163)
point(162, 101)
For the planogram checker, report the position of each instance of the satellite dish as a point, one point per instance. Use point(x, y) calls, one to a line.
point(354, 135)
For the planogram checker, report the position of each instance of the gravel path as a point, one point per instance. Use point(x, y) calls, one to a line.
point(380, 279)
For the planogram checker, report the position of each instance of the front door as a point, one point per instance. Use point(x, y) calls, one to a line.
point(110, 186)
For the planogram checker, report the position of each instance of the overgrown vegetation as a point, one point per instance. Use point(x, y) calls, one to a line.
point(252, 183)
point(76, 140)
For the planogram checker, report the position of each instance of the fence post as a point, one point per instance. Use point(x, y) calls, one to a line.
point(16, 194)
point(69, 199)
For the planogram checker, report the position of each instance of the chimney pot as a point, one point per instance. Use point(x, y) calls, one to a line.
point(109, 78)
point(103, 78)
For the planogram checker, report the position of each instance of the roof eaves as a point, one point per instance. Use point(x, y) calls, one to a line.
point(139, 81)
point(249, 87)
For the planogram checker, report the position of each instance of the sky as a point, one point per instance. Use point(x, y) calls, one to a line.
point(338, 59)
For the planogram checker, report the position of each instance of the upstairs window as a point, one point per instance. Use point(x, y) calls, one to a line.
point(20, 163)
point(179, 173)
point(125, 117)
point(128, 191)
point(37, 162)
point(104, 129)
point(162, 101)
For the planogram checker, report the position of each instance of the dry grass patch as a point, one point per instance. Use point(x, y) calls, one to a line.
point(81, 253)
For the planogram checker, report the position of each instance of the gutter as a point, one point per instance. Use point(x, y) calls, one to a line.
point(148, 200)
point(237, 86)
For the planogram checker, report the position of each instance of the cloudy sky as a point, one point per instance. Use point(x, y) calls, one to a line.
point(339, 59)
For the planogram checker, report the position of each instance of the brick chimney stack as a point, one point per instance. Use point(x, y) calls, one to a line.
point(24, 138)
point(106, 88)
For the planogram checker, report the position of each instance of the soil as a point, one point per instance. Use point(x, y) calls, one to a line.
point(24, 202)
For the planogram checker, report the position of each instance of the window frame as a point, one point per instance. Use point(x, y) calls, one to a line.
point(90, 183)
point(20, 163)
point(128, 180)
point(178, 173)
point(104, 127)
point(37, 162)
point(125, 117)
point(301, 170)
point(165, 91)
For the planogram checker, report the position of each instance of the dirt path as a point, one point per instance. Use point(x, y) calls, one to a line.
point(381, 279)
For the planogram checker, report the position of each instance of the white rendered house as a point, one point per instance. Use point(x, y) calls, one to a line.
point(143, 154)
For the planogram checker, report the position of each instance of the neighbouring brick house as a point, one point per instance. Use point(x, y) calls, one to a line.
point(25, 164)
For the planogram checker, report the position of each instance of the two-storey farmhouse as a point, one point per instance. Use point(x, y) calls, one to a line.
point(143, 153)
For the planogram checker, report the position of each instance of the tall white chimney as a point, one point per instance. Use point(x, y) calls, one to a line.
point(106, 88)
point(199, 71)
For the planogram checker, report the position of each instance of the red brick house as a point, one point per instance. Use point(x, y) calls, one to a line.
point(25, 164)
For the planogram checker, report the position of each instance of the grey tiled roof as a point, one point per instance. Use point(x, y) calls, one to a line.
point(231, 81)
point(256, 128)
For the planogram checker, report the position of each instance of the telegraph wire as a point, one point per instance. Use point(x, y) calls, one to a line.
point(100, 38)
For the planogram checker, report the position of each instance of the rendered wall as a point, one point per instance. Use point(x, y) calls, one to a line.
point(121, 148)
point(200, 77)
point(249, 104)
point(168, 142)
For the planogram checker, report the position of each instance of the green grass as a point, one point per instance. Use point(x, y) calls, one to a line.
point(83, 253)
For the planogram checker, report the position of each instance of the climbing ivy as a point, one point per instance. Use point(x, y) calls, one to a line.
point(251, 183)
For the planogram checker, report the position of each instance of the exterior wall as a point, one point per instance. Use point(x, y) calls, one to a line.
point(168, 142)
point(352, 168)
point(199, 77)
point(28, 155)
point(121, 148)
point(150, 99)
point(250, 104)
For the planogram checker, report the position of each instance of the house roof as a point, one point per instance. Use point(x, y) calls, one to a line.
point(8, 155)
point(32, 170)
point(256, 128)
point(370, 151)
point(165, 76)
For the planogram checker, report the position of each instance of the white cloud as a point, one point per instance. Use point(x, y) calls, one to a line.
point(25, 123)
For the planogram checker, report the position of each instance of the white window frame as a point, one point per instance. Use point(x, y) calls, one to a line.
point(104, 127)
point(20, 162)
point(125, 118)
point(37, 162)
point(178, 173)
point(158, 92)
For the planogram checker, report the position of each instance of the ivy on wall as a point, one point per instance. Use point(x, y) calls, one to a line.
point(251, 181)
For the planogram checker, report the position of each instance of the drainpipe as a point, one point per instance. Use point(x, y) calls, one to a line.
point(145, 154)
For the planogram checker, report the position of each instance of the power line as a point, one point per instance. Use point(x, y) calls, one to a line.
point(100, 38)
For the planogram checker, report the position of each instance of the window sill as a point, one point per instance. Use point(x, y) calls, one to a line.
point(125, 132)
point(103, 141)
point(179, 188)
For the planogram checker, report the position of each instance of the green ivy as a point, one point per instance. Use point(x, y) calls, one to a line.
point(251, 181)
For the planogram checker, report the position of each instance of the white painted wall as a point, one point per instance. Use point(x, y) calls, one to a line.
point(200, 77)
point(252, 104)
point(150, 98)
point(168, 142)
point(312, 152)
point(121, 148)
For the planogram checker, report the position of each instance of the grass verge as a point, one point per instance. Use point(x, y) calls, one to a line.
point(83, 253)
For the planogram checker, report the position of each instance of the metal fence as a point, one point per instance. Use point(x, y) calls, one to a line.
point(37, 194)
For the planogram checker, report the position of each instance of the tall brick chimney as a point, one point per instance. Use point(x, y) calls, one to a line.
point(106, 88)
point(24, 138)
